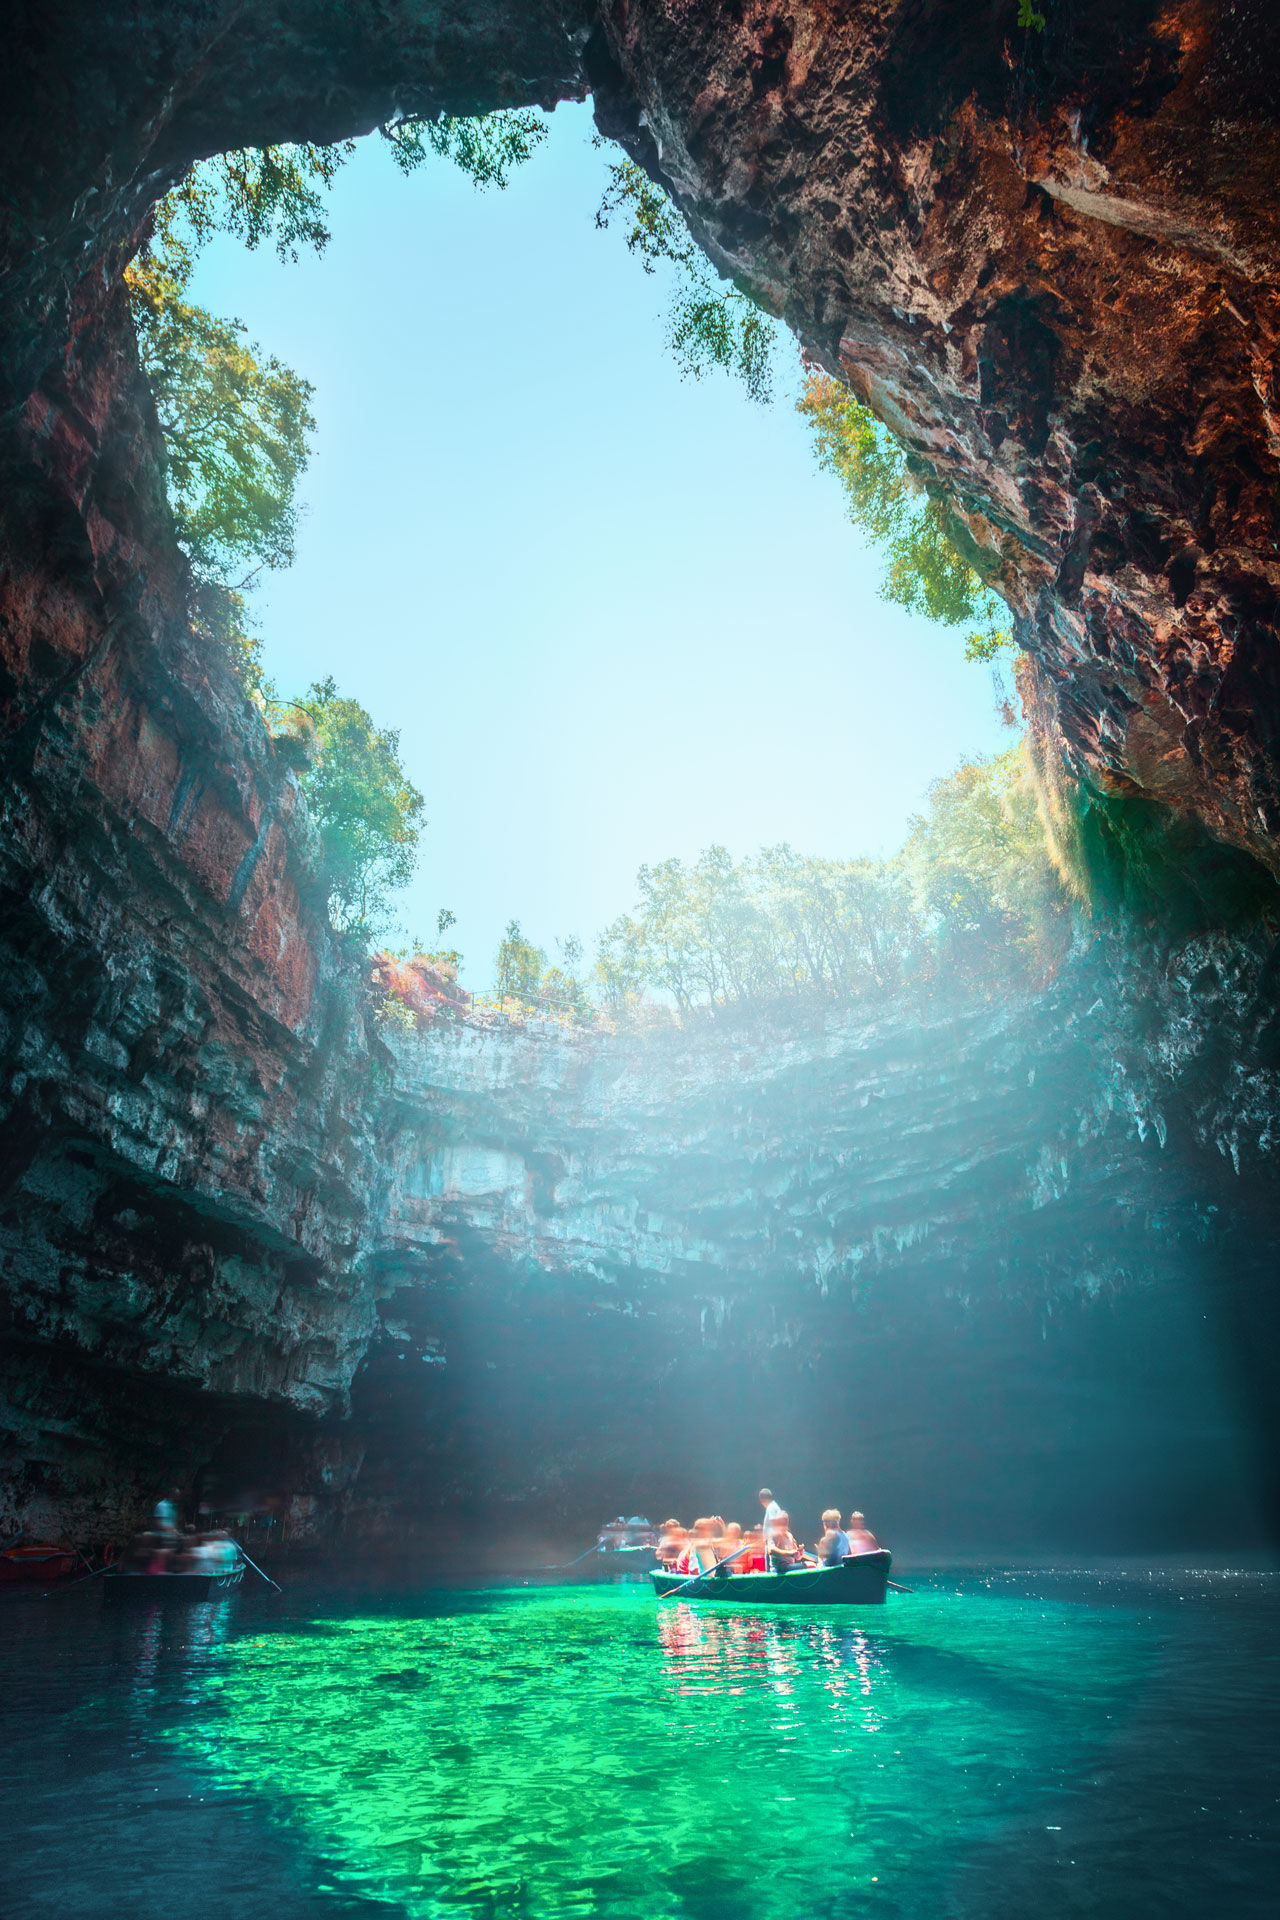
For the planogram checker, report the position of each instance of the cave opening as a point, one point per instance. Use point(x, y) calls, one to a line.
point(923, 1160)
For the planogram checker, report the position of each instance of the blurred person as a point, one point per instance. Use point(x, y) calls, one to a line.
point(861, 1538)
point(834, 1544)
point(672, 1540)
point(222, 1555)
point(785, 1550)
point(753, 1560)
point(772, 1514)
point(702, 1555)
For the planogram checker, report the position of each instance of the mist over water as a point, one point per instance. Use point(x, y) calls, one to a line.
point(1063, 1742)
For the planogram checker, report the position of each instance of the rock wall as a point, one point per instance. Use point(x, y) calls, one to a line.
point(186, 1133)
point(1007, 1266)
point(1047, 259)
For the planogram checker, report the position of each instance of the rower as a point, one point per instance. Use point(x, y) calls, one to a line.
point(772, 1514)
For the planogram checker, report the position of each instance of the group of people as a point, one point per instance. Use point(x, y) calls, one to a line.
point(164, 1548)
point(771, 1547)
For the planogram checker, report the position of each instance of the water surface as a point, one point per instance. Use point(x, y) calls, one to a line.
point(1009, 1744)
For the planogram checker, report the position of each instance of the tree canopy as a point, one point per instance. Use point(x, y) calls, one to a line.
point(972, 899)
point(237, 422)
point(711, 323)
point(926, 572)
point(368, 811)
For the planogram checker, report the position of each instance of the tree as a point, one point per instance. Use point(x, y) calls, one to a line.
point(368, 811)
point(980, 865)
point(236, 424)
point(520, 967)
point(926, 571)
point(712, 324)
point(972, 899)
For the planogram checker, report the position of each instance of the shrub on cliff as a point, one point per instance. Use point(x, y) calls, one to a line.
point(412, 989)
point(526, 984)
point(712, 323)
point(926, 572)
point(368, 811)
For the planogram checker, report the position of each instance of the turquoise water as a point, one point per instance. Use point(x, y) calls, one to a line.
point(999, 1744)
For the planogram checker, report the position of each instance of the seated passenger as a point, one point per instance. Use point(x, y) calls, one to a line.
point(189, 1555)
point(221, 1553)
point(834, 1544)
point(785, 1551)
point(731, 1542)
point(702, 1547)
point(861, 1538)
point(671, 1543)
point(753, 1560)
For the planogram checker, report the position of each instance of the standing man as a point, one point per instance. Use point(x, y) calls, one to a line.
point(773, 1515)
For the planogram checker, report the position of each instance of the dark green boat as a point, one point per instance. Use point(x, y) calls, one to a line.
point(172, 1586)
point(860, 1581)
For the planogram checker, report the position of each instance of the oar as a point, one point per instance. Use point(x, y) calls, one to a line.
point(82, 1577)
point(694, 1578)
point(258, 1570)
point(564, 1566)
point(897, 1588)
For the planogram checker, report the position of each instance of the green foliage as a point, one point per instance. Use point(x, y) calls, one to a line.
point(980, 867)
point(256, 193)
point(926, 573)
point(972, 900)
point(368, 811)
point(220, 618)
point(524, 983)
point(1029, 17)
point(486, 149)
point(236, 424)
point(711, 324)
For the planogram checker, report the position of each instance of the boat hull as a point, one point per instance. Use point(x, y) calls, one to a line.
point(171, 1586)
point(858, 1582)
point(35, 1565)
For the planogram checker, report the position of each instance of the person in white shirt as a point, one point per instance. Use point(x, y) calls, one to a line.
point(773, 1515)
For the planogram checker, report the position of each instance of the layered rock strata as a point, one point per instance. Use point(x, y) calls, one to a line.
point(1010, 1261)
point(1048, 260)
point(185, 1123)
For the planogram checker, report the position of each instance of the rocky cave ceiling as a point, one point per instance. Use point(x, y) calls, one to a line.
point(1047, 260)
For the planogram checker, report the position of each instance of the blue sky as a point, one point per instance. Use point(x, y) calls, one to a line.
point(615, 614)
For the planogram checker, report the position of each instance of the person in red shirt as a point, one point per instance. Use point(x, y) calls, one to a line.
point(752, 1560)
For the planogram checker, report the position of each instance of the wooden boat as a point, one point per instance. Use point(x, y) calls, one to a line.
point(36, 1562)
point(171, 1586)
point(860, 1581)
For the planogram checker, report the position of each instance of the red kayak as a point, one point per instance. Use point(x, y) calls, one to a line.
point(37, 1562)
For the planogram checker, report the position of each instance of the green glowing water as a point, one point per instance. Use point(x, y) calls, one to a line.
point(583, 1752)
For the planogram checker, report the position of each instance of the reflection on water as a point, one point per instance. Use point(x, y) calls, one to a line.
point(581, 1751)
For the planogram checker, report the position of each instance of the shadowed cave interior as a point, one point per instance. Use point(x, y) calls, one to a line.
point(1015, 1261)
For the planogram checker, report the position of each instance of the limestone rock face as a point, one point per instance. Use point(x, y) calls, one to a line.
point(1048, 259)
point(932, 1241)
point(186, 1135)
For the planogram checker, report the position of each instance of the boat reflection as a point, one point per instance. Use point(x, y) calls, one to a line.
point(731, 1655)
point(168, 1653)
